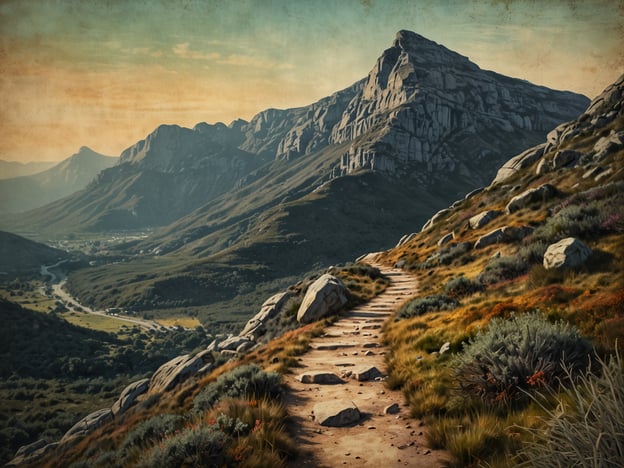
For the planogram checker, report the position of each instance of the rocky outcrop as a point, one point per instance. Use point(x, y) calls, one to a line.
point(405, 239)
point(519, 162)
point(32, 453)
point(446, 239)
point(129, 395)
point(435, 218)
point(326, 295)
point(255, 327)
point(533, 195)
point(483, 218)
point(177, 370)
point(336, 413)
point(86, 425)
point(420, 97)
point(567, 253)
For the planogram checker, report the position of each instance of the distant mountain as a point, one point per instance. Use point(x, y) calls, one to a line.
point(69, 176)
point(10, 169)
point(344, 175)
point(19, 255)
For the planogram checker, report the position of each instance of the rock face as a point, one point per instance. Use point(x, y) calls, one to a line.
point(541, 193)
point(129, 395)
point(177, 370)
point(326, 295)
point(567, 253)
point(337, 413)
point(254, 328)
point(87, 425)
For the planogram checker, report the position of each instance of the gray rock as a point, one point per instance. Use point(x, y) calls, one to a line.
point(405, 239)
point(392, 409)
point(503, 234)
point(567, 253)
point(603, 174)
point(32, 453)
point(434, 219)
point(178, 370)
point(233, 342)
point(608, 144)
point(86, 425)
point(541, 193)
point(593, 172)
point(337, 413)
point(483, 218)
point(445, 347)
point(364, 373)
point(565, 158)
point(129, 395)
point(320, 377)
point(518, 162)
point(475, 192)
point(326, 295)
point(446, 239)
point(255, 327)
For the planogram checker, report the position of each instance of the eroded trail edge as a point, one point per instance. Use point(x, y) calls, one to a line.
point(381, 431)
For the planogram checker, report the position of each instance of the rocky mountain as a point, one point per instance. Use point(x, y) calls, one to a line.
point(21, 256)
point(314, 185)
point(69, 176)
point(10, 169)
point(525, 274)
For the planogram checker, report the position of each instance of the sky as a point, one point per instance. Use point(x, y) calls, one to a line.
point(105, 73)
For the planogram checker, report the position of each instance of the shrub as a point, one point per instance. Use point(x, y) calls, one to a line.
point(533, 251)
point(587, 426)
point(517, 355)
point(152, 430)
point(462, 286)
point(503, 268)
point(425, 304)
point(201, 446)
point(247, 381)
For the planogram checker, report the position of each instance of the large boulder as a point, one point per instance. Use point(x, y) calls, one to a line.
point(336, 413)
point(177, 370)
point(86, 425)
point(320, 377)
point(567, 253)
point(541, 193)
point(481, 219)
point(435, 218)
point(129, 395)
point(326, 295)
point(255, 327)
point(518, 162)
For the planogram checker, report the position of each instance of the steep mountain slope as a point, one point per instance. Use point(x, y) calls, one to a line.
point(10, 169)
point(19, 255)
point(546, 236)
point(69, 176)
point(349, 174)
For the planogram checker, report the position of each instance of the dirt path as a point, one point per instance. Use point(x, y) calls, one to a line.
point(377, 439)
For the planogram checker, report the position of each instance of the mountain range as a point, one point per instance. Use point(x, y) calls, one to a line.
point(10, 169)
point(292, 190)
point(65, 178)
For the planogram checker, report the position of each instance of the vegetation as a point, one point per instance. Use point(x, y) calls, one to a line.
point(514, 356)
point(425, 304)
point(585, 427)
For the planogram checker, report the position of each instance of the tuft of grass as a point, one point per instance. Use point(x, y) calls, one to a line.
point(426, 304)
point(586, 427)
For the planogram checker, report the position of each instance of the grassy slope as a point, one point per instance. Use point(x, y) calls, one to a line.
point(589, 297)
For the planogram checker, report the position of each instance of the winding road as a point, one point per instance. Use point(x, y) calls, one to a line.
point(72, 303)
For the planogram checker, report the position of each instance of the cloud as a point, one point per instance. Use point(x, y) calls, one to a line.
point(183, 50)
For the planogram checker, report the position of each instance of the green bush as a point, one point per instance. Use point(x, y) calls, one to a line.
point(425, 304)
point(587, 426)
point(202, 446)
point(461, 286)
point(517, 355)
point(152, 430)
point(502, 269)
point(247, 381)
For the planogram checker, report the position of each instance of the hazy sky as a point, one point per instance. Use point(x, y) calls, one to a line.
point(105, 73)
